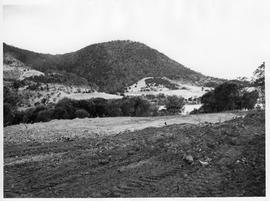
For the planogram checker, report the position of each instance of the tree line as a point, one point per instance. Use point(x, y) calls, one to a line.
point(95, 107)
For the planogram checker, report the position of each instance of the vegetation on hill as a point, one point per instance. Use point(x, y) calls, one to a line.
point(11, 101)
point(175, 104)
point(228, 96)
point(60, 78)
point(157, 81)
point(234, 95)
point(111, 66)
point(259, 81)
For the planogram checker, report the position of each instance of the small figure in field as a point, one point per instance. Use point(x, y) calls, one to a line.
point(165, 123)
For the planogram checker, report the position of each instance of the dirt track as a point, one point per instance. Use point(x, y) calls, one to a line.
point(144, 163)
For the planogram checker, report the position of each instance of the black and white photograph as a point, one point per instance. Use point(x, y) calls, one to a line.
point(134, 98)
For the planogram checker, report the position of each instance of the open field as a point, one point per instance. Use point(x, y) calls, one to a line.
point(55, 130)
point(137, 157)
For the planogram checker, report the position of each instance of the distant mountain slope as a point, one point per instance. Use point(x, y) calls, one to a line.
point(157, 86)
point(111, 66)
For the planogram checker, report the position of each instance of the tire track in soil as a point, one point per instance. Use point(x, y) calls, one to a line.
point(132, 185)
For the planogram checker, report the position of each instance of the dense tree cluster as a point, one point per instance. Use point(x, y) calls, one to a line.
point(175, 104)
point(70, 109)
point(11, 101)
point(259, 81)
point(228, 96)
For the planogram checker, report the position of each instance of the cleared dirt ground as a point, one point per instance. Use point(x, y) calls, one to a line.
point(229, 159)
point(56, 130)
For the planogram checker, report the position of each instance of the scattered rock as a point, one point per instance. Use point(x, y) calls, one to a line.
point(204, 163)
point(188, 158)
point(103, 162)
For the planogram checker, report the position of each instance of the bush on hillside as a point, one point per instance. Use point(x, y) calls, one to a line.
point(18, 118)
point(60, 113)
point(81, 113)
point(227, 96)
point(259, 82)
point(249, 99)
point(175, 104)
point(157, 81)
point(44, 115)
point(30, 115)
point(8, 114)
point(113, 108)
point(127, 106)
point(87, 105)
point(68, 106)
point(11, 97)
point(100, 107)
point(141, 107)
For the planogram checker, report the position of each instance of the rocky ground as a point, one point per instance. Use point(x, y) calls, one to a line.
point(178, 160)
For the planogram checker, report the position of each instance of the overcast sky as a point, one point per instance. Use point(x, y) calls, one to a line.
point(221, 38)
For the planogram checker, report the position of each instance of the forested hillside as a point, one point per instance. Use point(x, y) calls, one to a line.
point(111, 66)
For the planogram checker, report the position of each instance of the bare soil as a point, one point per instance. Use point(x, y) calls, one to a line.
point(56, 130)
point(228, 160)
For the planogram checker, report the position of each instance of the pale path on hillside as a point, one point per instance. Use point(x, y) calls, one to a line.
point(57, 130)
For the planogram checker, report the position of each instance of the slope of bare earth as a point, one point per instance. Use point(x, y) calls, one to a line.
point(56, 130)
point(228, 160)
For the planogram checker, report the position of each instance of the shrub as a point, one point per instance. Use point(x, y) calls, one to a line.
point(100, 107)
point(153, 110)
point(44, 115)
point(150, 96)
point(135, 106)
point(81, 113)
point(225, 97)
point(18, 118)
point(259, 81)
point(30, 115)
point(11, 97)
point(249, 99)
point(68, 106)
point(228, 96)
point(156, 81)
point(87, 105)
point(8, 114)
point(60, 113)
point(127, 106)
point(113, 108)
point(141, 107)
point(175, 104)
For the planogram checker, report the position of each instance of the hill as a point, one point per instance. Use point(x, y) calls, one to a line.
point(110, 66)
